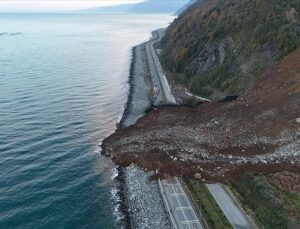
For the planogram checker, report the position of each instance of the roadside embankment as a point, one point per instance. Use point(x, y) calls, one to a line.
point(141, 202)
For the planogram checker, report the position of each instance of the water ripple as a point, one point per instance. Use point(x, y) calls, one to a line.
point(63, 85)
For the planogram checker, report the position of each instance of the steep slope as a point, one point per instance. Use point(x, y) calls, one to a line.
point(186, 6)
point(223, 45)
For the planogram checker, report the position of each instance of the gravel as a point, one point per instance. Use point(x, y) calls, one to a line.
point(142, 198)
point(145, 205)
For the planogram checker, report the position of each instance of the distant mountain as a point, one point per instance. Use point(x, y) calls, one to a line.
point(148, 6)
point(111, 9)
point(158, 6)
point(186, 6)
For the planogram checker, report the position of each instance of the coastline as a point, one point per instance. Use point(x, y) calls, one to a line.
point(121, 123)
point(139, 202)
point(124, 221)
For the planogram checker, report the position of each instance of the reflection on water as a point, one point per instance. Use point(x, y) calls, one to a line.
point(63, 85)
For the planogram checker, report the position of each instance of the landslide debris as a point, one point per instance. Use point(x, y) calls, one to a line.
point(258, 132)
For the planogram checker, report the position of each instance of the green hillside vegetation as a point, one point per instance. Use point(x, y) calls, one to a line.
point(206, 205)
point(263, 199)
point(223, 45)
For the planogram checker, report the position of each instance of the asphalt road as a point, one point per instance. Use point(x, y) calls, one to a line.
point(158, 97)
point(233, 213)
point(181, 212)
point(178, 205)
point(157, 73)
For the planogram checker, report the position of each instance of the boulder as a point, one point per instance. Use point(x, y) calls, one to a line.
point(197, 176)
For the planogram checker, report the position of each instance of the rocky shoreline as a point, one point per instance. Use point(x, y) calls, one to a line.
point(140, 203)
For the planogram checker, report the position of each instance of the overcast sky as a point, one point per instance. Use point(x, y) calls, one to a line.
point(55, 5)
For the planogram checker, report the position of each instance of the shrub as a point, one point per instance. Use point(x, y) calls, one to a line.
point(192, 101)
point(252, 28)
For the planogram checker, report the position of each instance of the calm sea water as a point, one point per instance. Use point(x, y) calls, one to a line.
point(63, 85)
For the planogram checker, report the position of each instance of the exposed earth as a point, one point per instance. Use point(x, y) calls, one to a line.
point(259, 132)
point(287, 191)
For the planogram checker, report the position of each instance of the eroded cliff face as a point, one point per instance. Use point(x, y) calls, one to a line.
point(258, 132)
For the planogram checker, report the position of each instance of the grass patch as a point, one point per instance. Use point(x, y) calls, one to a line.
point(291, 199)
point(259, 198)
point(294, 198)
point(218, 77)
point(207, 205)
point(191, 101)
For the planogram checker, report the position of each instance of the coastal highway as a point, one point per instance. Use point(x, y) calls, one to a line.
point(181, 213)
point(159, 97)
point(157, 74)
point(235, 215)
point(180, 210)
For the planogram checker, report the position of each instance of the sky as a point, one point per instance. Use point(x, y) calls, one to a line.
point(55, 5)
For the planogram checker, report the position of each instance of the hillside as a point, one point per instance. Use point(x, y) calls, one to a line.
point(186, 6)
point(221, 46)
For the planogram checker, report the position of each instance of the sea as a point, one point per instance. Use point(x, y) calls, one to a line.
point(63, 88)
